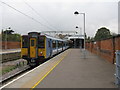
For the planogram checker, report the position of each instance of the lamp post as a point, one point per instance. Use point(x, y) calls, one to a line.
point(79, 37)
point(76, 13)
point(80, 29)
point(6, 37)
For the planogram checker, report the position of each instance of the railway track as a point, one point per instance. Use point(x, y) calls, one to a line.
point(14, 74)
point(9, 56)
point(18, 73)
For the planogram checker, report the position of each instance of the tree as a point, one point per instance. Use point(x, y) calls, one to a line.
point(85, 36)
point(8, 32)
point(61, 36)
point(8, 35)
point(88, 39)
point(102, 33)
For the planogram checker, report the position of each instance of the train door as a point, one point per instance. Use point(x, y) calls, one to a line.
point(50, 47)
point(33, 47)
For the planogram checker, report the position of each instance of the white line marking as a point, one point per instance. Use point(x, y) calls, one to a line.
point(23, 75)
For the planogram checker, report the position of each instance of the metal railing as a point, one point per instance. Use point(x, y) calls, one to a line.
point(117, 72)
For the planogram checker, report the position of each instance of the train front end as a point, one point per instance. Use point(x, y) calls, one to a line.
point(33, 48)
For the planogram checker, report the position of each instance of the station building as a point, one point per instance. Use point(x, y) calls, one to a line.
point(77, 41)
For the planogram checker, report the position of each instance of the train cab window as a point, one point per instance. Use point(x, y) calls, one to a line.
point(41, 42)
point(32, 42)
point(25, 41)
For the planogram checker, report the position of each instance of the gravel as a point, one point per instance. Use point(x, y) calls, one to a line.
point(20, 64)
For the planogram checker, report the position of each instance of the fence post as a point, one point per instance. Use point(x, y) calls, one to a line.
point(117, 73)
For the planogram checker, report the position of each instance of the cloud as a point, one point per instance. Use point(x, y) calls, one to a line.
point(59, 16)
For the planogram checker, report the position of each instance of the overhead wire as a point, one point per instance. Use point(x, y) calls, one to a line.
point(39, 14)
point(25, 14)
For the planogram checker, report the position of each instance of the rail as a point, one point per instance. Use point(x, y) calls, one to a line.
point(11, 75)
point(9, 55)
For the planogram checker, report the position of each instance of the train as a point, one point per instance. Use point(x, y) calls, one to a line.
point(37, 47)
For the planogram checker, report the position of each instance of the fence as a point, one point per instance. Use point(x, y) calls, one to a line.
point(117, 74)
point(105, 48)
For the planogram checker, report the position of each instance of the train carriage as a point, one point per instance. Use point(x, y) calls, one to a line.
point(35, 48)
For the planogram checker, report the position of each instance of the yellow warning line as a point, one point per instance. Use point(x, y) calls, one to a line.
point(49, 71)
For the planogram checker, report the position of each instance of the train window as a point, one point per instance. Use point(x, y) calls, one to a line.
point(48, 43)
point(62, 44)
point(25, 41)
point(59, 44)
point(54, 44)
point(41, 42)
point(32, 42)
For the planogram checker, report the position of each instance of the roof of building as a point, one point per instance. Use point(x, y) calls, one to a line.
point(76, 37)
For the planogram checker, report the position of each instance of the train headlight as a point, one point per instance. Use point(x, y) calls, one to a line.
point(41, 53)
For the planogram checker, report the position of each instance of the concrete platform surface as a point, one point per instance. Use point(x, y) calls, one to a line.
point(69, 70)
point(76, 72)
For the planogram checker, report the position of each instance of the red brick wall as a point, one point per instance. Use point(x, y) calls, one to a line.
point(10, 45)
point(106, 44)
point(94, 50)
point(117, 43)
point(105, 48)
point(91, 46)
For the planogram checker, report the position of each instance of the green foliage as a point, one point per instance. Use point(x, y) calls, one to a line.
point(89, 39)
point(7, 69)
point(8, 35)
point(102, 33)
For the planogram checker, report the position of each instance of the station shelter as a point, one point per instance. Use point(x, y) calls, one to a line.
point(77, 41)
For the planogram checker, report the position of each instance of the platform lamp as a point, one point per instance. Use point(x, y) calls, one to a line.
point(9, 28)
point(80, 29)
point(76, 13)
point(79, 36)
point(76, 27)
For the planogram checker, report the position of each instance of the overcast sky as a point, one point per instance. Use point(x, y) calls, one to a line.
point(58, 15)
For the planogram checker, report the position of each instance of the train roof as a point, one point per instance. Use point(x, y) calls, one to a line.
point(48, 36)
point(54, 38)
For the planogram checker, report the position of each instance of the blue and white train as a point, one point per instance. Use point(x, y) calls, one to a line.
point(35, 48)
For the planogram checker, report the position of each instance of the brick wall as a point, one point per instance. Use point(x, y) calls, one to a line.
point(105, 48)
point(10, 45)
point(117, 43)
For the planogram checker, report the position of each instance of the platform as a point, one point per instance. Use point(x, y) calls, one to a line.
point(69, 70)
point(5, 51)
